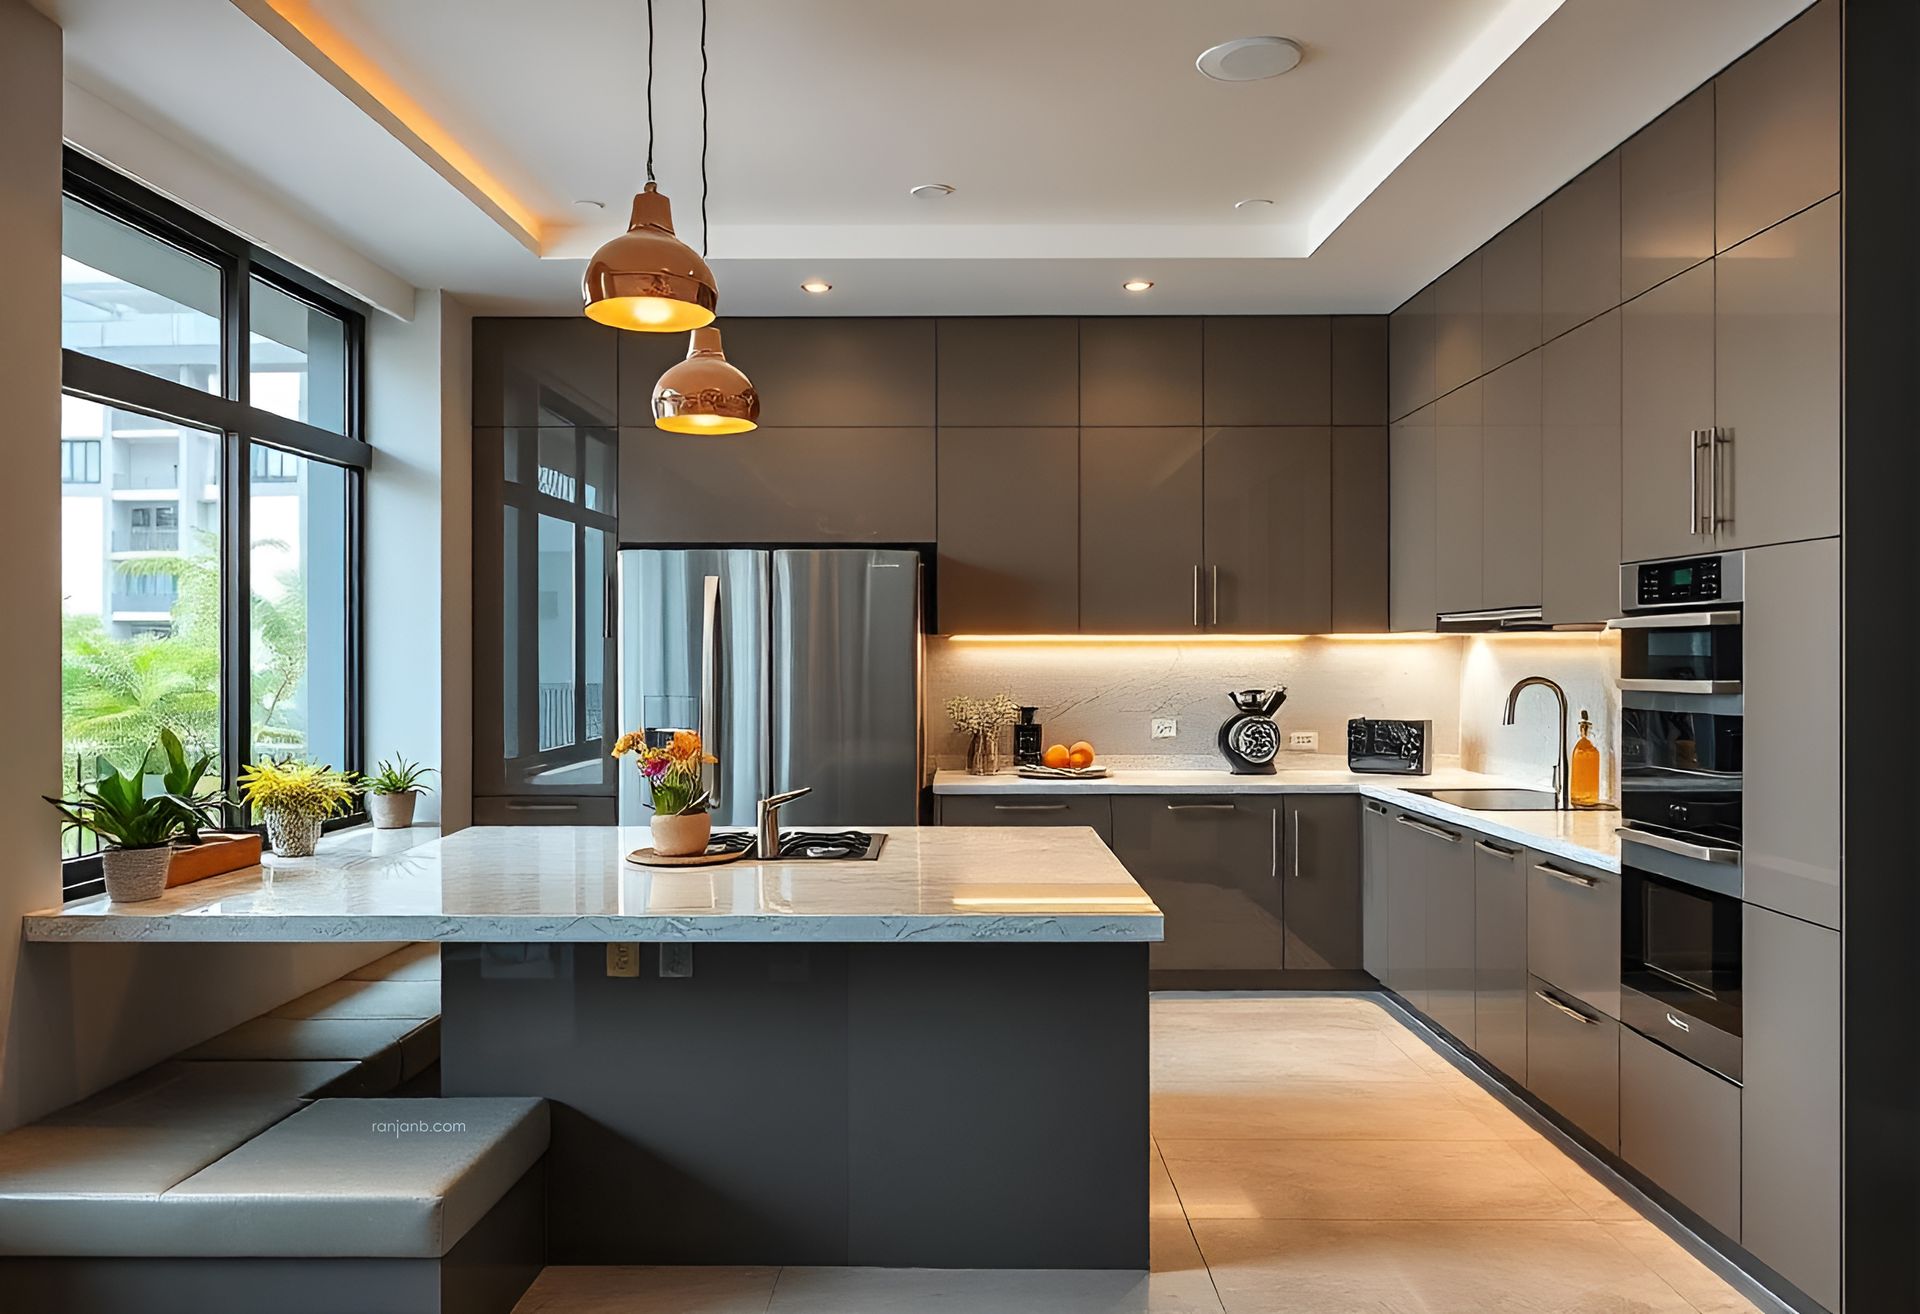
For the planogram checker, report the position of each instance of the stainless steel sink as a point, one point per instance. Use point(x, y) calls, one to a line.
point(1493, 800)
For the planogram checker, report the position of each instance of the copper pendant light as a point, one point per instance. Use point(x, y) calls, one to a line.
point(704, 394)
point(647, 279)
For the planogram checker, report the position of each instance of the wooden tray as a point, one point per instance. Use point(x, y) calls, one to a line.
point(218, 853)
point(648, 858)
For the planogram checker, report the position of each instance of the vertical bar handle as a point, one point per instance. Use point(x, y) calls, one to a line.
point(606, 609)
point(1693, 483)
point(1293, 826)
point(709, 677)
point(1213, 614)
point(1196, 595)
point(1717, 441)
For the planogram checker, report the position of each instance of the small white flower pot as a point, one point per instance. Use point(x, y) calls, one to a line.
point(136, 875)
point(392, 811)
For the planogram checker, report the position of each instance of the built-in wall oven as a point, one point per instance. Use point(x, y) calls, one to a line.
point(1681, 713)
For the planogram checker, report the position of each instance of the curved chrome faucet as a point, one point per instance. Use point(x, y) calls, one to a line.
point(1562, 791)
point(767, 844)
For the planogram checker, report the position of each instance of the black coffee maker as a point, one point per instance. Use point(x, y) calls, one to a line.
point(1249, 739)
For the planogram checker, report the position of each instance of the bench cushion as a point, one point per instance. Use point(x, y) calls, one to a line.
point(381, 1178)
point(88, 1179)
point(366, 999)
point(416, 962)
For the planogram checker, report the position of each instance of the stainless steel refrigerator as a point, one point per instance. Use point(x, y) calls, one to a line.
point(798, 667)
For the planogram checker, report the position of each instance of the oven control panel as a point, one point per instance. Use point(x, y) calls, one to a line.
point(1676, 583)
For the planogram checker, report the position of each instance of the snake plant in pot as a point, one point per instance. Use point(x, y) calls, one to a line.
point(293, 798)
point(137, 829)
point(392, 791)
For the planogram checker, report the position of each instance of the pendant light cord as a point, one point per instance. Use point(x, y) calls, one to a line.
point(649, 90)
point(703, 127)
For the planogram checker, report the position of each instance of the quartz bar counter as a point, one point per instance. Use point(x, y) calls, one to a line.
point(1584, 837)
point(516, 884)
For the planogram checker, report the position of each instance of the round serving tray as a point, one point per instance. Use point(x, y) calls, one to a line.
point(648, 858)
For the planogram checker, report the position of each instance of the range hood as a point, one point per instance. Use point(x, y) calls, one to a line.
point(1504, 620)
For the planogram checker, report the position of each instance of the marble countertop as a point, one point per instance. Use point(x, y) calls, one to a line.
point(570, 883)
point(1583, 837)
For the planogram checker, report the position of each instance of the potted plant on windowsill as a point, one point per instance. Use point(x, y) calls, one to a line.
point(138, 830)
point(392, 791)
point(200, 853)
point(293, 798)
point(681, 823)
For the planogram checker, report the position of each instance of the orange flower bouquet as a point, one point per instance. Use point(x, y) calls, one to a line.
point(672, 771)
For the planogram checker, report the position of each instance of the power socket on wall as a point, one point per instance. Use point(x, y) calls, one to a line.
point(1165, 727)
point(1303, 741)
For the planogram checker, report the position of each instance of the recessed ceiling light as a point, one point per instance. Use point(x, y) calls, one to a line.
point(1137, 284)
point(931, 191)
point(1253, 203)
point(816, 286)
point(1249, 59)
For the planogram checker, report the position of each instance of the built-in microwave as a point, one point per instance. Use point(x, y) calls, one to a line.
point(1680, 625)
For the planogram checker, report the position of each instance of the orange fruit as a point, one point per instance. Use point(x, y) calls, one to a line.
point(1080, 755)
point(1056, 756)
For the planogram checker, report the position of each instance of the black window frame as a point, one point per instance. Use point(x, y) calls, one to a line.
point(242, 427)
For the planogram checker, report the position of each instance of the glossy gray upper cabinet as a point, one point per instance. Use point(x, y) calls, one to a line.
point(1140, 371)
point(1456, 325)
point(1320, 878)
point(1133, 582)
point(1410, 359)
point(1359, 351)
point(1447, 866)
point(1792, 677)
point(1666, 195)
point(1580, 473)
point(1500, 955)
point(1666, 401)
point(1510, 484)
point(1777, 381)
point(833, 373)
point(1009, 531)
point(1267, 369)
point(1777, 127)
point(1510, 291)
point(1456, 498)
point(1790, 1104)
point(1408, 848)
point(1362, 531)
point(546, 371)
point(1580, 248)
point(1268, 534)
point(1680, 1125)
point(1411, 524)
point(813, 485)
point(1009, 371)
point(1376, 838)
point(1213, 867)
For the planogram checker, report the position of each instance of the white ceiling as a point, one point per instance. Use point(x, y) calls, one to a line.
point(1085, 147)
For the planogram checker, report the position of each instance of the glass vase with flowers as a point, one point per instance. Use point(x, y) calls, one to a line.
point(674, 773)
point(982, 721)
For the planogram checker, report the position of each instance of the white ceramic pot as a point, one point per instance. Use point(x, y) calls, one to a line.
point(392, 811)
point(292, 836)
point(136, 875)
point(682, 836)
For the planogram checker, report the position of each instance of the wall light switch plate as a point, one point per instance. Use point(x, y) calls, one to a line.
point(676, 960)
point(1305, 741)
point(1165, 727)
point(623, 959)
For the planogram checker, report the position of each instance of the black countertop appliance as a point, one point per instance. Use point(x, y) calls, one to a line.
point(1249, 739)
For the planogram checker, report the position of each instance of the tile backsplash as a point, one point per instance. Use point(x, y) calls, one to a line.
point(1110, 693)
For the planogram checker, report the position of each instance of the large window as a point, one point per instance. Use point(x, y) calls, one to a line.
point(211, 472)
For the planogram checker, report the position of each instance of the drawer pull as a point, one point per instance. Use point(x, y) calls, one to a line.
point(1570, 877)
point(1677, 1022)
point(1029, 807)
point(1200, 807)
point(516, 806)
point(1497, 850)
point(1378, 809)
point(1434, 831)
point(1570, 1011)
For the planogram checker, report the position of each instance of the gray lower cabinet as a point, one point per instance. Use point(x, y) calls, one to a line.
point(1095, 810)
point(1407, 850)
point(1268, 541)
point(1500, 955)
point(1213, 866)
point(1009, 560)
point(1135, 582)
point(1320, 876)
point(1573, 1061)
point(1376, 826)
point(1410, 521)
point(1680, 1125)
point(1580, 472)
point(1573, 931)
point(1790, 1125)
point(1450, 929)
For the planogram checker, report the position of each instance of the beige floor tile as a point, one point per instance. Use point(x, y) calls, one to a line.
point(1189, 1059)
point(636, 1290)
point(1315, 1267)
point(1422, 1054)
point(1312, 1109)
point(1324, 1012)
point(1705, 1289)
point(1361, 1180)
point(1593, 1196)
point(1493, 1113)
point(1163, 1201)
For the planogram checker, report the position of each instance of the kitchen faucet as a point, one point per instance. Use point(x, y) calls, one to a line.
point(1563, 796)
point(767, 812)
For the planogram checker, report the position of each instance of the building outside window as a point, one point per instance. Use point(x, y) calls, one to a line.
point(211, 485)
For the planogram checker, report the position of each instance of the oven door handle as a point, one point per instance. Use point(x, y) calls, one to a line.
point(1698, 852)
point(1675, 620)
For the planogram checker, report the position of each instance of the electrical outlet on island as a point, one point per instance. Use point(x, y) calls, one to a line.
point(1165, 727)
point(1303, 741)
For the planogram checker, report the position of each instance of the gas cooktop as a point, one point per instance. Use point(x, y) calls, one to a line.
point(807, 845)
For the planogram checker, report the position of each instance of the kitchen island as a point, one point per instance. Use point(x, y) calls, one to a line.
point(936, 1058)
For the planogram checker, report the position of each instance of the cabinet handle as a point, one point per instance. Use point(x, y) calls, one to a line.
point(1200, 807)
point(1694, 446)
point(1294, 823)
point(1547, 998)
point(1029, 807)
point(1497, 850)
point(1698, 852)
point(1273, 845)
point(1434, 831)
point(516, 806)
point(1378, 809)
point(1716, 440)
point(1213, 586)
point(1196, 595)
point(1570, 877)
